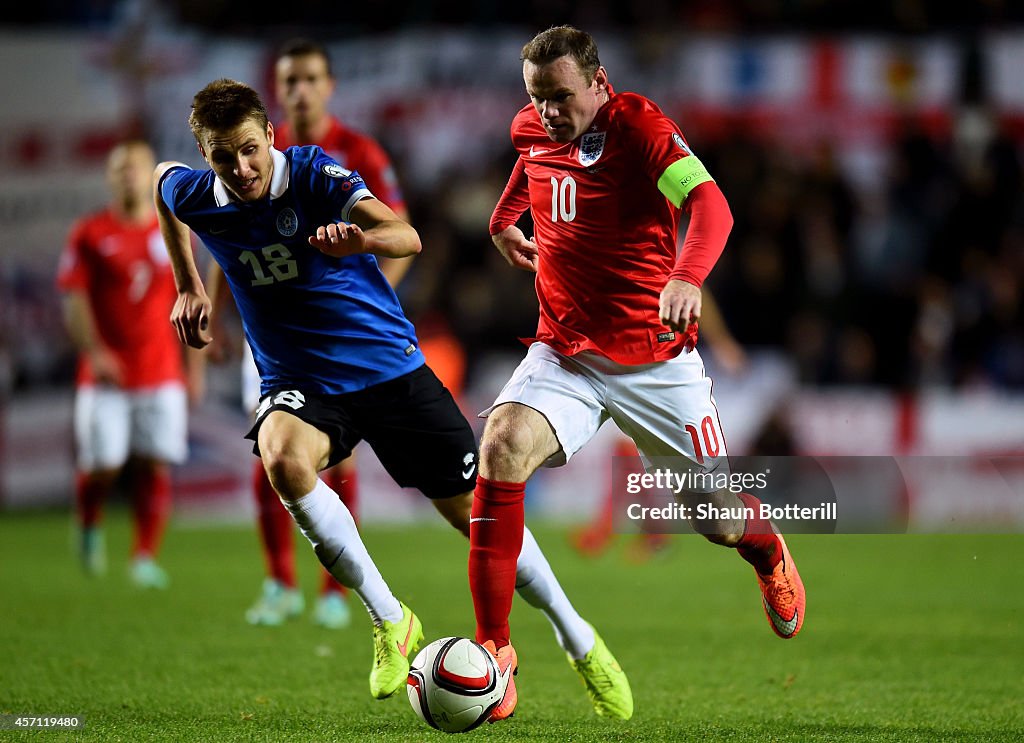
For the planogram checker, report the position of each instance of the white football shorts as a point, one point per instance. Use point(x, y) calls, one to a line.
point(666, 407)
point(111, 424)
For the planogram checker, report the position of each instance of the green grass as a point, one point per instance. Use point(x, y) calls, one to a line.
point(908, 638)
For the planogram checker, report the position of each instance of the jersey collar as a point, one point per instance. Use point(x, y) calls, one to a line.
point(278, 183)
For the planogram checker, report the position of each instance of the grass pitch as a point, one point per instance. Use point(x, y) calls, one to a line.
point(908, 638)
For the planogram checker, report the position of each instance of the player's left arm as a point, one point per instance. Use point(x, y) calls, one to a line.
point(710, 224)
point(373, 227)
point(686, 183)
point(380, 177)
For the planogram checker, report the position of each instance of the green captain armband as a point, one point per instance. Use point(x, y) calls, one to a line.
point(681, 177)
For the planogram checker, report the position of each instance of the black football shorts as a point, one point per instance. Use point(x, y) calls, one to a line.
point(412, 423)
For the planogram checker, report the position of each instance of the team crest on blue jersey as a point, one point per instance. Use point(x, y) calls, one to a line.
point(336, 171)
point(591, 148)
point(680, 143)
point(287, 222)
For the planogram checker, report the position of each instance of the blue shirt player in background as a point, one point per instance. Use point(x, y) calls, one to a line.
point(297, 236)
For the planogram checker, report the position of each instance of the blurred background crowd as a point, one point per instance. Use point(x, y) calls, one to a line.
point(879, 234)
point(870, 152)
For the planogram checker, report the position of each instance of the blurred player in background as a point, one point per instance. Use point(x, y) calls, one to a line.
point(605, 175)
point(304, 84)
point(297, 237)
point(130, 402)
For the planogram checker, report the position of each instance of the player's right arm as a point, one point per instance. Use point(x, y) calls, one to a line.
point(81, 326)
point(510, 241)
point(191, 314)
point(80, 320)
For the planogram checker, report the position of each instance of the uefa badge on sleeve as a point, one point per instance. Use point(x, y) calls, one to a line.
point(336, 171)
point(681, 144)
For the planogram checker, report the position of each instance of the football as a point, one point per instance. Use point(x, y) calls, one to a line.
point(453, 684)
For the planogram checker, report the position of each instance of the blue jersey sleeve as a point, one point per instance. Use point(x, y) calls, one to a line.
point(177, 185)
point(341, 187)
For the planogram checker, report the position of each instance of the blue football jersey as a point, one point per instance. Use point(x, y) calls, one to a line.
point(314, 322)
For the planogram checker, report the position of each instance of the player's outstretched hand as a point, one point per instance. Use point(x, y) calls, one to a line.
point(191, 318)
point(516, 248)
point(680, 305)
point(339, 240)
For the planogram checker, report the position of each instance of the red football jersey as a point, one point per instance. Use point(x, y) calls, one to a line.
point(126, 274)
point(355, 151)
point(605, 232)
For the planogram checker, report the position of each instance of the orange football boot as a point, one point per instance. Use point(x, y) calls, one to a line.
point(508, 665)
point(783, 595)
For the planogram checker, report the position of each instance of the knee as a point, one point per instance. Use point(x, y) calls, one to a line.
point(723, 522)
point(291, 476)
point(506, 451)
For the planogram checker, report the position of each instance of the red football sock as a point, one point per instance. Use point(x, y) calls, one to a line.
point(343, 481)
point(759, 545)
point(91, 493)
point(276, 527)
point(495, 541)
point(151, 494)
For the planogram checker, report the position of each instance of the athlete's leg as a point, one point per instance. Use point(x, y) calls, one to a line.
point(293, 452)
point(150, 482)
point(516, 441)
point(535, 581)
point(275, 527)
point(150, 491)
point(670, 413)
point(92, 489)
point(331, 608)
point(102, 426)
point(758, 542)
point(159, 438)
point(279, 599)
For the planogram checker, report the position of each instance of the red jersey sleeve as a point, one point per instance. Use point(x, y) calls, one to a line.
point(515, 200)
point(376, 169)
point(684, 181)
point(710, 225)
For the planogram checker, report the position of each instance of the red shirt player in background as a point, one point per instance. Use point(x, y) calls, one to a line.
point(130, 403)
point(304, 85)
point(605, 176)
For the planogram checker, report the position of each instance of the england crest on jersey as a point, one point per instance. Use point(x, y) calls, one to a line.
point(591, 148)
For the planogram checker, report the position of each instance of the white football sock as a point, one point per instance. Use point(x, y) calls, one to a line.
point(330, 528)
point(537, 584)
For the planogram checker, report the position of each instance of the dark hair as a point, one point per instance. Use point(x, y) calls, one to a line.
point(561, 41)
point(302, 47)
point(225, 104)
